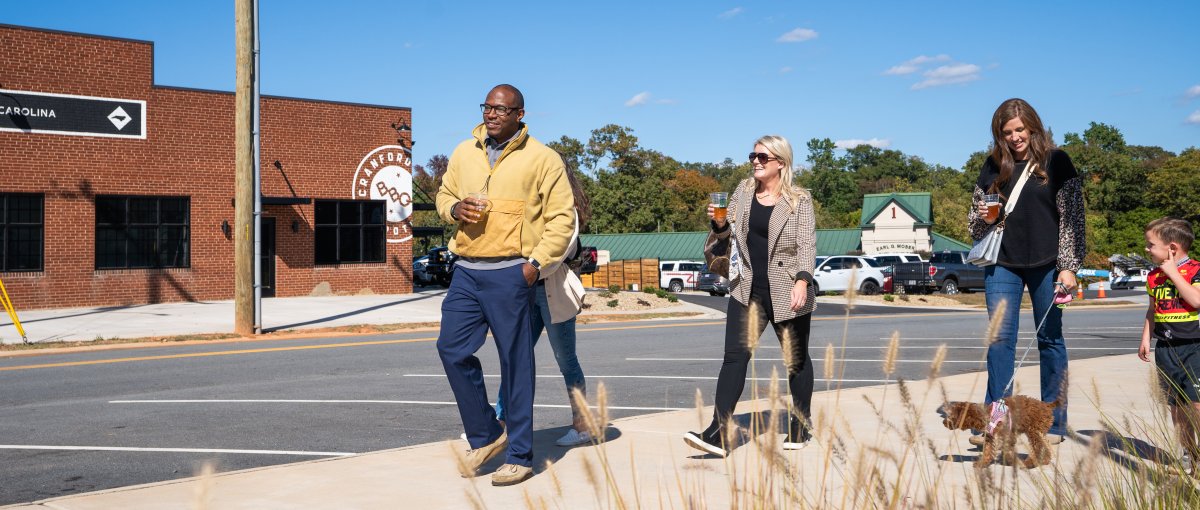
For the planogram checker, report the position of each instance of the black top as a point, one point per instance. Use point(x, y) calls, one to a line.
point(1031, 232)
point(757, 245)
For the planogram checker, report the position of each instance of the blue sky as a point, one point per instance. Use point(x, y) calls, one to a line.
point(699, 80)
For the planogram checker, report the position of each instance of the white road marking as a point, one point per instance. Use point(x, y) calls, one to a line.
point(684, 377)
point(170, 450)
point(975, 338)
point(409, 402)
point(879, 347)
point(814, 359)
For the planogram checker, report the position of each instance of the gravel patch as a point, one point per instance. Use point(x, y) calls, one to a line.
point(626, 301)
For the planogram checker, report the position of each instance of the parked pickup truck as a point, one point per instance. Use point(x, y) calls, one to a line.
point(947, 271)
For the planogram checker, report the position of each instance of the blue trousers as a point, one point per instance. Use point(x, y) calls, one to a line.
point(562, 340)
point(499, 300)
point(1007, 284)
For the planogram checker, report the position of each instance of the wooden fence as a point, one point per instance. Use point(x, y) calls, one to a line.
point(624, 273)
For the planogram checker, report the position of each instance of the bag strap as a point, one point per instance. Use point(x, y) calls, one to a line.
point(1012, 202)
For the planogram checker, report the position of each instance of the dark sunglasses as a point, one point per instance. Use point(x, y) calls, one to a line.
point(762, 157)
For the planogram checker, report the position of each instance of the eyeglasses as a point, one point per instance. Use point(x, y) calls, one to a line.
point(762, 157)
point(500, 110)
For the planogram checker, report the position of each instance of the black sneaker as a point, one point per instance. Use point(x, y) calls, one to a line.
point(706, 443)
point(797, 438)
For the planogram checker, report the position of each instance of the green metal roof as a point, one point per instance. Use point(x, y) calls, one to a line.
point(652, 245)
point(918, 205)
point(941, 242)
point(838, 241)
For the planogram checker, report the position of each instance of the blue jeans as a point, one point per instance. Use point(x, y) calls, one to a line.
point(1003, 284)
point(562, 340)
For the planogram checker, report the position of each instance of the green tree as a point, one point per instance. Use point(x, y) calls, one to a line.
point(572, 151)
point(1173, 189)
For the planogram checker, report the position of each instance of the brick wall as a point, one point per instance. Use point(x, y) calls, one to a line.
point(188, 152)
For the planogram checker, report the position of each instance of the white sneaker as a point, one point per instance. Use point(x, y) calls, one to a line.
point(573, 438)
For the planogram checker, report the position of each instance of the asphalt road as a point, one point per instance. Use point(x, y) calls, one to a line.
point(98, 419)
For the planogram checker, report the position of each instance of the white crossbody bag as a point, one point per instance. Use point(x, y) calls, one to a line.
point(987, 250)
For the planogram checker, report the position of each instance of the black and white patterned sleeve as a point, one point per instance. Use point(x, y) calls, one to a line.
point(975, 224)
point(1072, 225)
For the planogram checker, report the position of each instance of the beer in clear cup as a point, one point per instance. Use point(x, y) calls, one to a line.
point(993, 208)
point(482, 196)
point(720, 204)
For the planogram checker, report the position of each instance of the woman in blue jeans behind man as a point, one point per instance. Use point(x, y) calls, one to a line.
point(1042, 248)
point(562, 331)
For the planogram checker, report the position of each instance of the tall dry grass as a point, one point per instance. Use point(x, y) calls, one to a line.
point(909, 463)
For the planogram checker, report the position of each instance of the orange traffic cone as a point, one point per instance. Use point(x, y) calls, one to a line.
point(1101, 293)
point(1080, 296)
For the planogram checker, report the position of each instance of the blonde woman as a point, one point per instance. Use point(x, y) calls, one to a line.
point(771, 232)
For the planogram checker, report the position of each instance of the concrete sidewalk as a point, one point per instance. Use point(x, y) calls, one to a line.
point(278, 314)
point(646, 464)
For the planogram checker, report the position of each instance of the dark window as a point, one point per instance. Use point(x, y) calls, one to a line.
point(835, 263)
point(142, 232)
point(691, 267)
point(945, 258)
point(21, 232)
point(349, 231)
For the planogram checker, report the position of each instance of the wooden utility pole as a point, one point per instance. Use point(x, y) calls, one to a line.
point(243, 211)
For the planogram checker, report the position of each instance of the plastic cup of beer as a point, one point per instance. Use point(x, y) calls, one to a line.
point(720, 204)
point(993, 207)
point(481, 197)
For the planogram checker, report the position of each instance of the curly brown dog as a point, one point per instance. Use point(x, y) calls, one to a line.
point(1028, 416)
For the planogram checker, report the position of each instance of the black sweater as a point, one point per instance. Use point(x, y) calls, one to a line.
point(1047, 224)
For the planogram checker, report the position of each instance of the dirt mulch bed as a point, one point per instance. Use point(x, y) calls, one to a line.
point(625, 301)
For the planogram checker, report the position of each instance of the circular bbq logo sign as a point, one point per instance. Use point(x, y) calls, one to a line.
point(386, 174)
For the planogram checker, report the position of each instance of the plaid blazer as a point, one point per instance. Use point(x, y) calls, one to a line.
point(792, 243)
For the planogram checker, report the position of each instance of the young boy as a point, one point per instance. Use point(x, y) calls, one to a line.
point(1172, 320)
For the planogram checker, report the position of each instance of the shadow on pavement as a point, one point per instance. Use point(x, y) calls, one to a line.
point(348, 314)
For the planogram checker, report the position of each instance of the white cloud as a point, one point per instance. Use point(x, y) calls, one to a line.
point(730, 13)
point(855, 142)
point(1193, 92)
point(639, 99)
point(785, 69)
point(798, 35)
point(1194, 118)
point(948, 75)
point(913, 65)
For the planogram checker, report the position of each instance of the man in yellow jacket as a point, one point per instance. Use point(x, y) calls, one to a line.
point(511, 199)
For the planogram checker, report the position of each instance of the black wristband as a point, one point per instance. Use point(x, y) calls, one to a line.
point(454, 211)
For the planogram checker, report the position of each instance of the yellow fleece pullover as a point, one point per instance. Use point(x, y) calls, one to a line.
point(532, 209)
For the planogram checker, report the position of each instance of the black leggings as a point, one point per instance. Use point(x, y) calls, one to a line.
point(746, 323)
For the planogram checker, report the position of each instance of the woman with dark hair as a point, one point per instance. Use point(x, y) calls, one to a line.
point(769, 246)
point(1042, 247)
point(559, 297)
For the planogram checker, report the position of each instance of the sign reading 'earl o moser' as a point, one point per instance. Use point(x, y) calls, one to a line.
point(62, 114)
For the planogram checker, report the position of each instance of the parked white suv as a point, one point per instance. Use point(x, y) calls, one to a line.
point(833, 274)
point(676, 275)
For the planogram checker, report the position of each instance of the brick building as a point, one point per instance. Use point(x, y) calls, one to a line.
point(114, 190)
